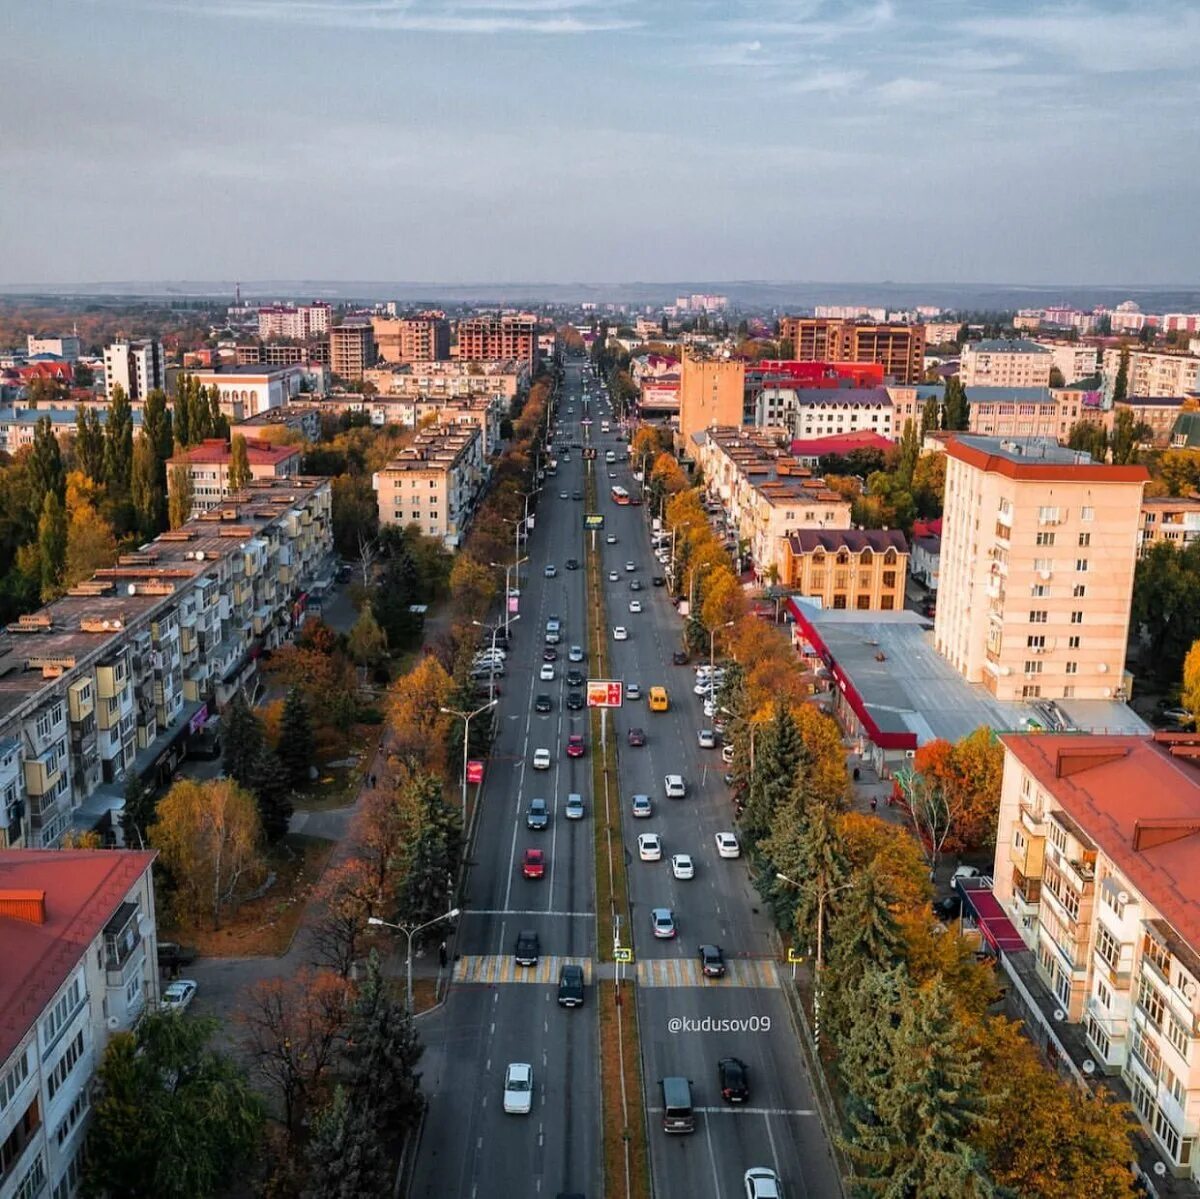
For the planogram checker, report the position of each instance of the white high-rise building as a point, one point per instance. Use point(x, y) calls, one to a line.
point(138, 366)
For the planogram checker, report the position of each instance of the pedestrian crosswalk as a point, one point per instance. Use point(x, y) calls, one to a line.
point(685, 972)
point(493, 969)
point(502, 968)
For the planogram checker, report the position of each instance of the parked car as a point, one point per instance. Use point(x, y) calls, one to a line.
point(178, 995)
point(172, 955)
point(706, 738)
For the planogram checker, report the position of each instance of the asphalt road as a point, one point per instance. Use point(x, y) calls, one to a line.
point(493, 1015)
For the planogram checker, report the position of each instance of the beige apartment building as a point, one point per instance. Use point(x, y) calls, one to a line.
point(207, 465)
point(1022, 412)
point(1153, 373)
point(447, 380)
point(899, 349)
point(1037, 557)
point(941, 333)
point(490, 338)
point(712, 392)
point(1074, 361)
point(1168, 518)
point(1157, 413)
point(1095, 866)
point(351, 350)
point(1002, 362)
point(486, 413)
point(862, 570)
point(421, 338)
point(433, 483)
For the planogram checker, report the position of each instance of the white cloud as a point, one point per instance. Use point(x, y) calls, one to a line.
point(906, 90)
point(827, 79)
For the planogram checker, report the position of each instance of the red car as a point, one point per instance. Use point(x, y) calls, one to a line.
point(637, 737)
point(534, 864)
point(575, 746)
point(549, 654)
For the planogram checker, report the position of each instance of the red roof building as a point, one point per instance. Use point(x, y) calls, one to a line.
point(208, 466)
point(811, 450)
point(784, 372)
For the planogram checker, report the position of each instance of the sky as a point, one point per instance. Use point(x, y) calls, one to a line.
point(1002, 141)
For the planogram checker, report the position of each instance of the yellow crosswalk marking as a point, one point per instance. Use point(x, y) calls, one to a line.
point(492, 969)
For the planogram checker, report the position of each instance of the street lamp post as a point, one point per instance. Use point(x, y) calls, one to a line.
point(500, 624)
point(508, 586)
point(692, 583)
point(409, 932)
point(466, 718)
point(712, 644)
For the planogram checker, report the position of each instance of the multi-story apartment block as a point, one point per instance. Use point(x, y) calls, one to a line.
point(298, 322)
point(1036, 576)
point(1023, 411)
point(1096, 867)
point(207, 465)
point(433, 483)
point(1005, 363)
point(828, 413)
point(1074, 360)
point(941, 333)
point(899, 349)
point(137, 366)
point(764, 494)
point(857, 569)
point(488, 338)
point(78, 942)
point(351, 350)
point(248, 390)
point(446, 380)
point(1153, 373)
point(1158, 414)
point(67, 347)
point(19, 425)
point(711, 393)
point(302, 418)
point(486, 413)
point(421, 338)
point(1168, 518)
point(113, 677)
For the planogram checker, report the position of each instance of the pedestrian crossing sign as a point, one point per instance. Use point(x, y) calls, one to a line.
point(622, 955)
point(794, 956)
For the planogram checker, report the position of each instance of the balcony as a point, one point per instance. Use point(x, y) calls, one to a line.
point(81, 699)
point(1081, 872)
point(43, 773)
point(124, 951)
point(111, 680)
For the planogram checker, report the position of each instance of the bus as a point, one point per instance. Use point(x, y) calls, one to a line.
point(620, 495)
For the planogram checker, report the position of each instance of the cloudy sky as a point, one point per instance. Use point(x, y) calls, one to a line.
point(602, 140)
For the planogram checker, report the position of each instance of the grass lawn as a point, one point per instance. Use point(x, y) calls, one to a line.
point(264, 927)
point(624, 1141)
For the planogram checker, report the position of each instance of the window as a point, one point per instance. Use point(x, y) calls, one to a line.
point(74, 1114)
point(1098, 1037)
point(1081, 564)
point(1177, 1034)
point(11, 1082)
point(1073, 642)
point(1078, 591)
point(1058, 837)
point(1047, 516)
point(1151, 1002)
point(1036, 641)
point(1103, 994)
point(1041, 591)
point(1085, 539)
point(863, 603)
point(1077, 618)
point(1033, 666)
point(34, 1180)
point(1108, 947)
point(1157, 955)
point(67, 1005)
point(1045, 539)
point(1030, 691)
point(1046, 564)
point(1072, 668)
point(65, 1064)
point(1086, 514)
point(1038, 616)
point(1068, 693)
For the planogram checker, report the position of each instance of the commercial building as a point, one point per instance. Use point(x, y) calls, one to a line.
point(1037, 557)
point(809, 452)
point(114, 676)
point(899, 349)
point(861, 569)
point(711, 393)
point(824, 413)
point(1002, 362)
point(78, 942)
point(433, 483)
point(207, 465)
point(67, 347)
point(136, 366)
point(421, 338)
point(250, 390)
point(298, 322)
point(491, 338)
point(1152, 373)
point(1095, 870)
point(1168, 518)
point(351, 350)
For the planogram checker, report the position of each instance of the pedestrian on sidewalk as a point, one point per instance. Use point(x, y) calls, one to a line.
point(874, 803)
point(372, 782)
point(442, 955)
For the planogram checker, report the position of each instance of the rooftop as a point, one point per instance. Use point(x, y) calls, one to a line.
point(843, 397)
point(1005, 345)
point(1037, 459)
point(1008, 395)
point(254, 371)
point(218, 451)
point(53, 905)
point(840, 443)
point(804, 541)
point(57, 416)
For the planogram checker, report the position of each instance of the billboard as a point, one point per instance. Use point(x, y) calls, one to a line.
point(604, 693)
point(474, 771)
point(593, 520)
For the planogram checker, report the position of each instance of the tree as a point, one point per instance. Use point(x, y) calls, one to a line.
point(1189, 695)
point(209, 839)
point(1121, 384)
point(1180, 470)
point(367, 644)
point(46, 472)
point(91, 545)
point(52, 545)
point(433, 859)
point(1166, 606)
point(346, 896)
point(1089, 437)
point(906, 458)
point(345, 1157)
point(931, 416)
point(89, 443)
point(1057, 378)
point(148, 496)
point(419, 730)
point(779, 754)
point(929, 484)
point(118, 443)
point(138, 812)
point(157, 424)
point(84, 375)
point(295, 741)
point(1125, 437)
point(172, 1117)
point(242, 738)
point(956, 412)
point(269, 785)
point(180, 503)
point(239, 464)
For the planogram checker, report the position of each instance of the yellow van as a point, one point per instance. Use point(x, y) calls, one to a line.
point(658, 699)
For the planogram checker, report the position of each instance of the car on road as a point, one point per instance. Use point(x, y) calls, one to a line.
point(572, 564)
point(727, 845)
point(633, 691)
point(636, 737)
point(620, 633)
point(659, 581)
point(650, 847)
point(662, 920)
point(575, 699)
point(543, 703)
point(733, 1079)
point(533, 864)
point(635, 584)
point(575, 653)
point(575, 745)
point(541, 759)
point(562, 495)
point(682, 867)
point(631, 567)
point(614, 576)
point(537, 815)
point(551, 571)
point(575, 678)
point(550, 654)
point(178, 995)
point(642, 806)
point(172, 955)
point(570, 986)
point(611, 539)
point(706, 738)
point(546, 674)
point(635, 606)
point(574, 806)
point(727, 754)
point(576, 495)
point(528, 948)
point(679, 658)
point(518, 1088)
point(762, 1183)
point(674, 786)
point(712, 961)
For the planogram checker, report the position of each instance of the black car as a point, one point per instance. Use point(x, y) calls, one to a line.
point(572, 564)
point(679, 657)
point(576, 495)
point(543, 703)
point(659, 581)
point(575, 701)
point(171, 955)
point(537, 815)
point(570, 986)
point(734, 1076)
point(712, 961)
point(528, 948)
point(575, 678)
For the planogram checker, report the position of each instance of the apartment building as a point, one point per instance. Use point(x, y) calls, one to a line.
point(453, 379)
point(1168, 518)
point(114, 676)
point(899, 349)
point(1018, 412)
point(1153, 373)
point(1037, 556)
point(66, 347)
point(1096, 868)
point(136, 366)
point(421, 338)
point(1004, 362)
point(491, 338)
point(859, 569)
point(78, 942)
point(711, 393)
point(249, 390)
point(830, 413)
point(942, 333)
point(18, 425)
point(1159, 414)
point(764, 494)
point(485, 413)
point(433, 483)
point(207, 465)
point(301, 418)
point(1073, 360)
point(351, 350)
point(908, 403)
point(295, 321)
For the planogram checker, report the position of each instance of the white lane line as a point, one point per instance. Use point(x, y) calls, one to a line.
point(712, 1156)
point(736, 1109)
point(525, 912)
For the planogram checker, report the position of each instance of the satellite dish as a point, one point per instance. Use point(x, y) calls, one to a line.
point(131, 589)
point(1089, 1066)
point(1059, 1014)
point(199, 555)
point(1160, 1169)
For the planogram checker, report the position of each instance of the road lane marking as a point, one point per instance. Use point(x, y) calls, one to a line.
point(736, 1109)
point(524, 912)
point(686, 972)
point(493, 970)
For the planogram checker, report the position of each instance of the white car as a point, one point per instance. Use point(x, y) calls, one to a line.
point(546, 674)
point(762, 1183)
point(550, 571)
point(614, 576)
point(663, 922)
point(518, 1088)
point(681, 866)
point(575, 653)
point(650, 847)
point(611, 539)
point(620, 633)
point(727, 754)
point(633, 691)
point(541, 759)
point(674, 786)
point(727, 846)
point(574, 806)
point(706, 738)
point(710, 707)
point(631, 566)
point(178, 995)
point(635, 606)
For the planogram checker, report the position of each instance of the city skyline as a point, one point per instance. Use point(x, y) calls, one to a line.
point(496, 140)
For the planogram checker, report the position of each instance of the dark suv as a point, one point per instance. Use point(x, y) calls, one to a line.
point(528, 948)
point(734, 1077)
point(570, 986)
point(712, 961)
point(537, 816)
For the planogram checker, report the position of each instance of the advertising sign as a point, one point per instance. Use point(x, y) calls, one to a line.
point(474, 771)
point(593, 520)
point(604, 693)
